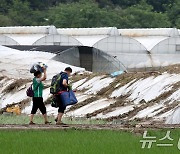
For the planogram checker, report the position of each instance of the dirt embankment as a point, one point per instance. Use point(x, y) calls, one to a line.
point(122, 101)
point(22, 104)
point(117, 83)
point(81, 104)
point(15, 85)
point(2, 77)
point(13, 88)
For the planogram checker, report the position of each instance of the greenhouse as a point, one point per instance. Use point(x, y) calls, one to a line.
point(89, 36)
point(26, 35)
point(99, 49)
point(5, 40)
point(127, 50)
point(162, 44)
point(166, 52)
point(60, 40)
point(90, 58)
point(133, 47)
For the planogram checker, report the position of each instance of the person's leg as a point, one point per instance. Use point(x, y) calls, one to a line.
point(34, 110)
point(46, 119)
point(60, 114)
point(42, 108)
point(31, 117)
point(59, 104)
point(59, 117)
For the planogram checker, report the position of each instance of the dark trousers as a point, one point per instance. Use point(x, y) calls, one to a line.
point(62, 108)
point(38, 104)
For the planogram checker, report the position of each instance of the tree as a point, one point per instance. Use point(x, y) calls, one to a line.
point(160, 5)
point(125, 3)
point(5, 21)
point(91, 13)
point(82, 14)
point(4, 6)
point(104, 3)
point(142, 16)
point(174, 14)
point(21, 13)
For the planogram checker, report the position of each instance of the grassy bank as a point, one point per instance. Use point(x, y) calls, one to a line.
point(24, 119)
point(80, 142)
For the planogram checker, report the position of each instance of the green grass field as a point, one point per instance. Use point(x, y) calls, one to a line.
point(76, 141)
point(80, 142)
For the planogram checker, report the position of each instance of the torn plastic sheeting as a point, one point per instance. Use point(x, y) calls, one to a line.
point(114, 74)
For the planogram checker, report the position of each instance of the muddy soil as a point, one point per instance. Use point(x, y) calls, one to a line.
point(132, 128)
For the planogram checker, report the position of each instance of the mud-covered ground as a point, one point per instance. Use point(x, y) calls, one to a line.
point(139, 128)
point(16, 88)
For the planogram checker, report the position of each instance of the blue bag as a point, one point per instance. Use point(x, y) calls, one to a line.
point(68, 98)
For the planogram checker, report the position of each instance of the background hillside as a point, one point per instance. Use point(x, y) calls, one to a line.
point(91, 13)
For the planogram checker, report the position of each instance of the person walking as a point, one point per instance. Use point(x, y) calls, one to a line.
point(64, 86)
point(38, 96)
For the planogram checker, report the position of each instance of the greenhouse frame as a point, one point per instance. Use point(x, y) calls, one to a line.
point(120, 49)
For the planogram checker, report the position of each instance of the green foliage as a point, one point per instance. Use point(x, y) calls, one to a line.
point(174, 14)
point(141, 16)
point(83, 14)
point(125, 3)
point(20, 13)
point(87, 14)
point(160, 5)
point(5, 21)
point(91, 13)
point(5, 5)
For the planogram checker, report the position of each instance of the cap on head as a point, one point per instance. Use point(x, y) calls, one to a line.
point(68, 69)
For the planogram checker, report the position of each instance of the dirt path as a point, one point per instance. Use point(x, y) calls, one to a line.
point(133, 128)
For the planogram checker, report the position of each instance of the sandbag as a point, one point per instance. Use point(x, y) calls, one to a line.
point(68, 98)
point(38, 67)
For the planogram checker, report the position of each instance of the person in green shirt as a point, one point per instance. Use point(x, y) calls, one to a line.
point(38, 97)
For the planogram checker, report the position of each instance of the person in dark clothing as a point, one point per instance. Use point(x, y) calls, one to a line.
point(64, 77)
point(63, 87)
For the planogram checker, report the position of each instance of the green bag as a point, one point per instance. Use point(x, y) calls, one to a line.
point(55, 86)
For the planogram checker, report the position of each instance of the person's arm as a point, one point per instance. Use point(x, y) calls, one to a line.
point(44, 76)
point(65, 83)
point(65, 80)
